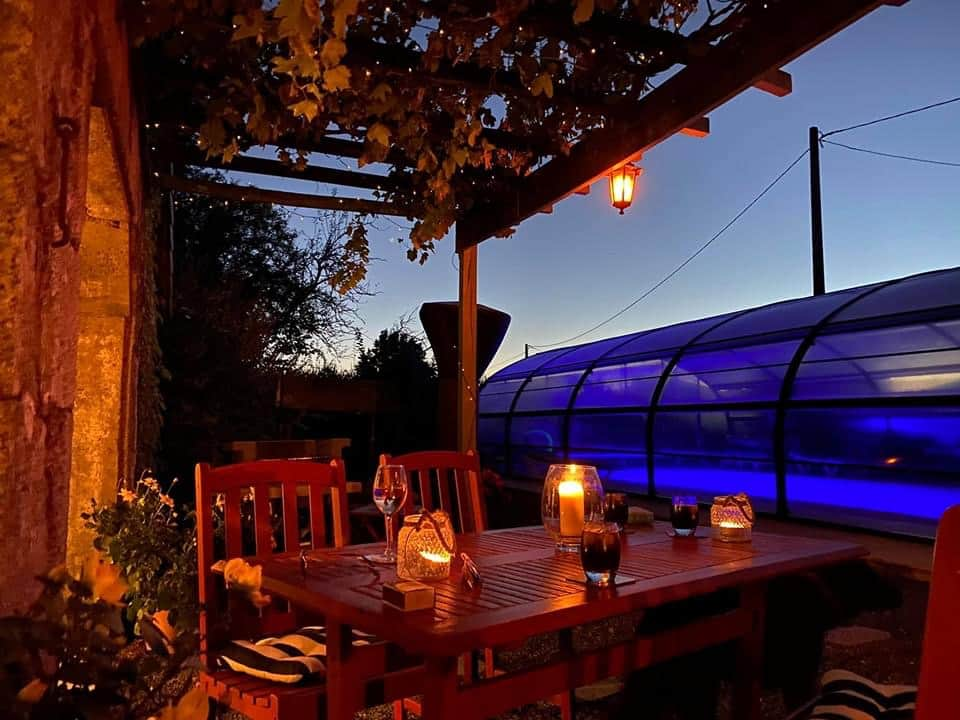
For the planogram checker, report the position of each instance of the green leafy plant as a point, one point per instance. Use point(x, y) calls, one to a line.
point(70, 656)
point(155, 545)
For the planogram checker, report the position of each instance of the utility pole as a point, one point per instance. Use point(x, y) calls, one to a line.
point(816, 213)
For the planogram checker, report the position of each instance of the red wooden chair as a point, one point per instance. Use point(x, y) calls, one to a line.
point(273, 485)
point(449, 480)
point(445, 480)
point(937, 693)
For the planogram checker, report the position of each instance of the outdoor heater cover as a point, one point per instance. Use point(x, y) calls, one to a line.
point(441, 322)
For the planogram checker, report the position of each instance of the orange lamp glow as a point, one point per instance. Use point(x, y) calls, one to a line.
point(623, 181)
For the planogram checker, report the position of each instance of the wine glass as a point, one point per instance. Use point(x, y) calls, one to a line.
point(389, 493)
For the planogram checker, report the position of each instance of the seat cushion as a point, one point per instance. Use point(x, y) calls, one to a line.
point(846, 696)
point(286, 659)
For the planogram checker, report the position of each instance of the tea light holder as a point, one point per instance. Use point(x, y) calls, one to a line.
point(733, 517)
point(572, 495)
point(426, 546)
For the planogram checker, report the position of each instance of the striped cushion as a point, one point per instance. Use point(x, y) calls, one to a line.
point(286, 659)
point(846, 696)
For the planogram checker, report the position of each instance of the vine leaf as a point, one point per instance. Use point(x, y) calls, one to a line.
point(583, 11)
point(249, 26)
point(294, 19)
point(380, 134)
point(257, 124)
point(230, 150)
point(543, 84)
point(305, 108)
point(336, 78)
point(332, 52)
point(213, 135)
point(342, 10)
point(104, 580)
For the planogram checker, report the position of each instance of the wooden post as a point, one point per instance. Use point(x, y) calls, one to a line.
point(467, 352)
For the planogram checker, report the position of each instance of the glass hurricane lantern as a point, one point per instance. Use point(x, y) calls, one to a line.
point(572, 495)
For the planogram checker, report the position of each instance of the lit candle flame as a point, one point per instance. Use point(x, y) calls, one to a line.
point(440, 557)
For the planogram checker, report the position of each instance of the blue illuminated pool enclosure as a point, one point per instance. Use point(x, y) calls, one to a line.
point(842, 407)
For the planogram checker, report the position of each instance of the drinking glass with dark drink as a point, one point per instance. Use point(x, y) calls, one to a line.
point(684, 515)
point(600, 552)
point(615, 509)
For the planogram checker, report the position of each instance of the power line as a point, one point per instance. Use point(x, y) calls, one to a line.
point(891, 117)
point(686, 262)
point(503, 364)
point(891, 155)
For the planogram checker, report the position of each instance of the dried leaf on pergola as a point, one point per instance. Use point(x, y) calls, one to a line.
point(484, 111)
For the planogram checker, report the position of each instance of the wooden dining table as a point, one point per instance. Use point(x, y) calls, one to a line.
point(529, 588)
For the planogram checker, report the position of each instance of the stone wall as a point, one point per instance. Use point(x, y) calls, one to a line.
point(60, 59)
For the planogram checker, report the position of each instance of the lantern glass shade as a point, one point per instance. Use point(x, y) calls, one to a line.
point(623, 182)
point(572, 495)
point(426, 546)
point(733, 517)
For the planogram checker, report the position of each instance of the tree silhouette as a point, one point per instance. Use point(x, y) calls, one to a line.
point(252, 298)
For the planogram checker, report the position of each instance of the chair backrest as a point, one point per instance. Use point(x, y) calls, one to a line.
point(252, 509)
point(445, 480)
point(939, 675)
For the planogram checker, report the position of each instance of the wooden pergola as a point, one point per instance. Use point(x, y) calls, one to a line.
point(711, 74)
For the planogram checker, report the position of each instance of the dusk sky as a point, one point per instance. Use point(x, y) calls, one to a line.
point(883, 218)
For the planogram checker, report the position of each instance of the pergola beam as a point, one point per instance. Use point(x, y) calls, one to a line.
point(238, 193)
point(775, 82)
point(699, 128)
point(786, 31)
point(313, 173)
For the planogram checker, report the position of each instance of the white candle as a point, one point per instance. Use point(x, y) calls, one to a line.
point(571, 508)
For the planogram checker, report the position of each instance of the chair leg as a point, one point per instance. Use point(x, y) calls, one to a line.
point(565, 700)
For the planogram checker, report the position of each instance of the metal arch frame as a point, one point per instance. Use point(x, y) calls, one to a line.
point(786, 392)
point(661, 384)
point(508, 425)
point(591, 366)
point(785, 401)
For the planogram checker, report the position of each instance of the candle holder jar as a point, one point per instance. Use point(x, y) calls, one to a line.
point(733, 517)
point(572, 495)
point(426, 546)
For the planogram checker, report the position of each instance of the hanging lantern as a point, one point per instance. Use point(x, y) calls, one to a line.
point(623, 182)
point(426, 546)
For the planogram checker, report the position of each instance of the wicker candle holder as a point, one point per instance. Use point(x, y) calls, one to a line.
point(426, 546)
point(733, 517)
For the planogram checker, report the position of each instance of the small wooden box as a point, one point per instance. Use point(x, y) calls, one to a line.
point(408, 595)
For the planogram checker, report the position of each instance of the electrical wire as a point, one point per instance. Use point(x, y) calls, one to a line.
point(703, 247)
point(682, 265)
point(892, 155)
point(502, 364)
point(891, 117)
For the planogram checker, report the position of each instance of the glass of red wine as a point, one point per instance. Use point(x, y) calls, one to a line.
point(684, 515)
point(600, 552)
point(615, 509)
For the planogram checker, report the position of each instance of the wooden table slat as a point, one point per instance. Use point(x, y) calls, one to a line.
point(526, 590)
